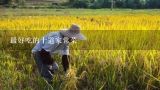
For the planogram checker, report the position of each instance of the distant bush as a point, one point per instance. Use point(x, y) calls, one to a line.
point(135, 4)
point(95, 5)
point(80, 4)
point(57, 6)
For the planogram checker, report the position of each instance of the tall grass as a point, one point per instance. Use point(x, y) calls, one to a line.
point(95, 64)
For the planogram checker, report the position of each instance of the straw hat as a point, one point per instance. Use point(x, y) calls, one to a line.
point(73, 32)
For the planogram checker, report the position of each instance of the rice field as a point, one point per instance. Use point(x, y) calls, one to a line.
point(98, 22)
point(121, 52)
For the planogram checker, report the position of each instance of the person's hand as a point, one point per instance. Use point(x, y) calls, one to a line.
point(53, 67)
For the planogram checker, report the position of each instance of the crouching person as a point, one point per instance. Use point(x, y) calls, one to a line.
point(55, 42)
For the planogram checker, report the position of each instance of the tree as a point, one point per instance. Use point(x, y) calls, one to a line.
point(80, 3)
point(153, 3)
point(6, 1)
point(120, 3)
point(71, 1)
point(112, 4)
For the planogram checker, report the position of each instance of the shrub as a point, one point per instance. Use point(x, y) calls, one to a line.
point(81, 4)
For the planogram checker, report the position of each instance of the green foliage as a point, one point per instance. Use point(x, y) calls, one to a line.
point(135, 4)
point(153, 3)
point(6, 1)
point(116, 3)
point(80, 3)
point(101, 4)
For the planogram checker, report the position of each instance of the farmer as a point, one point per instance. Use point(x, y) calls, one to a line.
point(55, 42)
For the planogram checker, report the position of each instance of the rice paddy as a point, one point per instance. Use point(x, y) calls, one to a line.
point(110, 58)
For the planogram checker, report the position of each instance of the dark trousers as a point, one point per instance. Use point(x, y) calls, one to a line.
point(44, 69)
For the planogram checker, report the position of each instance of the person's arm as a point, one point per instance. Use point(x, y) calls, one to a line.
point(65, 57)
point(50, 42)
point(65, 62)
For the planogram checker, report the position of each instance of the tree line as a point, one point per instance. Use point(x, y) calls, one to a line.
point(139, 4)
point(135, 4)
